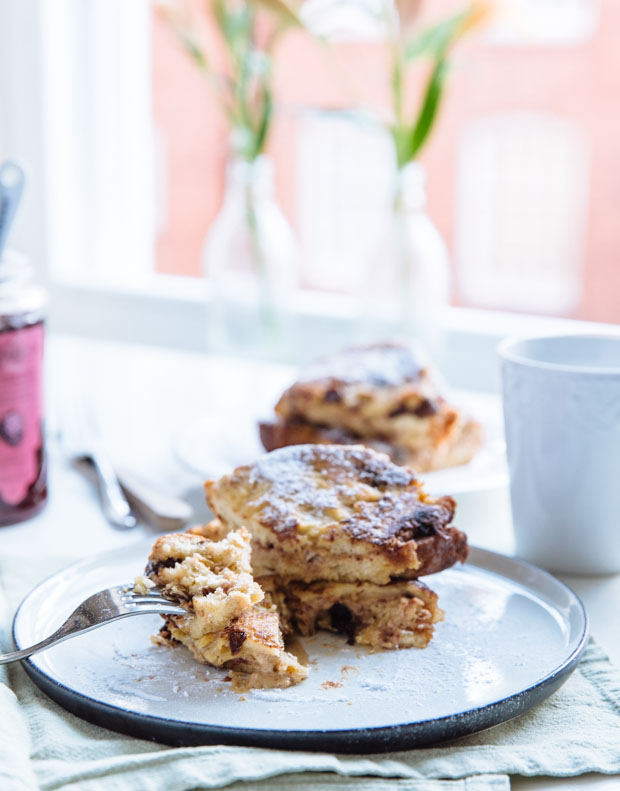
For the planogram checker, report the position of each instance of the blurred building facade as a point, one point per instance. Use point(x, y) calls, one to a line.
point(523, 168)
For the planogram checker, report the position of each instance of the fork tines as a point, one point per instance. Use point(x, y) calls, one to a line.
point(153, 599)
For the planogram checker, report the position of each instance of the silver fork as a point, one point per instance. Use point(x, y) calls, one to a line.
point(104, 607)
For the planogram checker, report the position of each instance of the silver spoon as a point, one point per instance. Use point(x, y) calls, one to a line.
point(12, 180)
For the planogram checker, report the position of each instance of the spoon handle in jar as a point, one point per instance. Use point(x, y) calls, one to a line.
point(12, 180)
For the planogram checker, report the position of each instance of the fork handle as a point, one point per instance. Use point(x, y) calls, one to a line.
point(15, 656)
point(72, 626)
point(65, 631)
point(113, 501)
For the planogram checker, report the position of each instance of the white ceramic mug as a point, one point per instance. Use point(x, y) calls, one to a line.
point(562, 416)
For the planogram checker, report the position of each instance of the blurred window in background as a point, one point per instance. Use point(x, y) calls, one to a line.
point(522, 204)
point(342, 184)
point(523, 169)
point(127, 151)
point(546, 22)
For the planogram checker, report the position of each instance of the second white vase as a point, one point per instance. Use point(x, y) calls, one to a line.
point(250, 258)
point(406, 287)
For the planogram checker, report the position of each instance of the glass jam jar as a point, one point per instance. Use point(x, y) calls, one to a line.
point(23, 479)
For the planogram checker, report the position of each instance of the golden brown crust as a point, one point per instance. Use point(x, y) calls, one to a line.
point(336, 512)
point(459, 449)
point(213, 530)
point(378, 365)
point(381, 396)
point(251, 644)
point(213, 579)
point(398, 615)
point(227, 623)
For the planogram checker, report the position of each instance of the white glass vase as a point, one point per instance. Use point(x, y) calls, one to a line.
point(407, 285)
point(250, 258)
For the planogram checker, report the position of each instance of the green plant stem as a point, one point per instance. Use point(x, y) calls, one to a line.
point(397, 82)
point(247, 95)
point(434, 43)
point(404, 262)
point(266, 307)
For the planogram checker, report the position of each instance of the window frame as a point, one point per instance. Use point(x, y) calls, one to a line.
point(21, 121)
point(106, 298)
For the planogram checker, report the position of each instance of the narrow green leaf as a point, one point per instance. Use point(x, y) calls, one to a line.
point(397, 83)
point(182, 27)
point(403, 139)
point(435, 40)
point(219, 13)
point(430, 105)
point(265, 123)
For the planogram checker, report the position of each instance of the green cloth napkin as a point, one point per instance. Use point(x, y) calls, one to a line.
point(43, 747)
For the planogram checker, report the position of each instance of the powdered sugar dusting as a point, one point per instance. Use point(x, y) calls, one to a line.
point(286, 471)
point(380, 365)
point(497, 639)
point(360, 489)
point(287, 696)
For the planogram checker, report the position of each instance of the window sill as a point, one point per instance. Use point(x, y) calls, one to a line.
point(170, 311)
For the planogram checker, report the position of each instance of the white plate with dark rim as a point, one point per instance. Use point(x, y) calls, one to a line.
point(209, 448)
point(512, 635)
